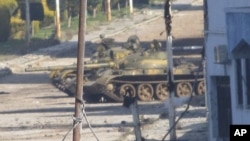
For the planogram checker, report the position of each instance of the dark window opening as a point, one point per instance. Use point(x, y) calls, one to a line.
point(224, 106)
point(248, 82)
point(239, 82)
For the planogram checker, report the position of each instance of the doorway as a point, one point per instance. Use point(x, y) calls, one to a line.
point(224, 107)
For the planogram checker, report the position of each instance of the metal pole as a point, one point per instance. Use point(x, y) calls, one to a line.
point(27, 16)
point(131, 7)
point(171, 108)
point(136, 120)
point(205, 17)
point(108, 10)
point(79, 104)
point(58, 22)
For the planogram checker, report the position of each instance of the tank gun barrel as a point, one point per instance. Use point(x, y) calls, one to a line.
point(99, 65)
point(73, 67)
point(49, 68)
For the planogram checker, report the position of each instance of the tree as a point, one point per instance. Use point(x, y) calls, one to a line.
point(73, 9)
point(6, 10)
point(36, 11)
point(70, 8)
point(117, 3)
point(108, 10)
point(93, 5)
point(11, 5)
point(4, 24)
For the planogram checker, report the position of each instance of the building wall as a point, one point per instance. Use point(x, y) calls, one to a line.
point(215, 36)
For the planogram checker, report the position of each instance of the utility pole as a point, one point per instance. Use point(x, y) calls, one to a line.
point(136, 120)
point(58, 22)
point(131, 102)
point(27, 16)
point(171, 108)
point(79, 103)
point(131, 11)
point(108, 10)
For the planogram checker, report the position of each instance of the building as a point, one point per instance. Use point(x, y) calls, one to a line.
point(227, 43)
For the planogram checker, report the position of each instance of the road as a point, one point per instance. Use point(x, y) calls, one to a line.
point(33, 110)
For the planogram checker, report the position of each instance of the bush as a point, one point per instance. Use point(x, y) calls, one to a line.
point(11, 5)
point(36, 26)
point(17, 28)
point(48, 15)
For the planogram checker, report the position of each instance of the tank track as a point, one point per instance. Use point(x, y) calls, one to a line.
point(150, 89)
point(153, 90)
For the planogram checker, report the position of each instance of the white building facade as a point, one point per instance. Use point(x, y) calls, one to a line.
point(227, 44)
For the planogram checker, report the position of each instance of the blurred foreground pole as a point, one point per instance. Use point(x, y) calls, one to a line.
point(136, 120)
point(131, 10)
point(27, 18)
point(108, 10)
point(79, 104)
point(171, 108)
point(58, 22)
point(131, 102)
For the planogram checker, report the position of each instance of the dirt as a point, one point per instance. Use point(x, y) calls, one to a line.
point(32, 109)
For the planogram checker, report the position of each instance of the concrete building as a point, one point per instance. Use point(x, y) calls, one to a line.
point(227, 43)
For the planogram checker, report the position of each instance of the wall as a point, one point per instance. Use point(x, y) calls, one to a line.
point(216, 35)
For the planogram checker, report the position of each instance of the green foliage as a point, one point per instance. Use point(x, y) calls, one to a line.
point(17, 28)
point(4, 24)
point(73, 7)
point(7, 7)
point(52, 4)
point(48, 15)
point(11, 5)
point(93, 6)
point(114, 3)
point(67, 7)
point(36, 26)
point(63, 7)
point(141, 1)
point(94, 3)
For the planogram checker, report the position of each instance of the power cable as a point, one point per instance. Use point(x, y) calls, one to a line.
point(77, 121)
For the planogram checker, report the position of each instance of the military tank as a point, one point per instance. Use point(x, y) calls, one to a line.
point(116, 71)
point(144, 75)
point(106, 53)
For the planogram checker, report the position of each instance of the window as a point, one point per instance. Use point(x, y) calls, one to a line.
point(243, 82)
point(248, 82)
point(239, 82)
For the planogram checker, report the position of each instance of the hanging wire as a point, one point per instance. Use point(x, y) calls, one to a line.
point(77, 121)
point(90, 127)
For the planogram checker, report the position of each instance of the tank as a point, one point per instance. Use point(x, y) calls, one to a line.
point(144, 75)
point(104, 58)
point(130, 69)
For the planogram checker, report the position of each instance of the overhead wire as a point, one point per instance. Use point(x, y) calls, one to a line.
point(77, 121)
